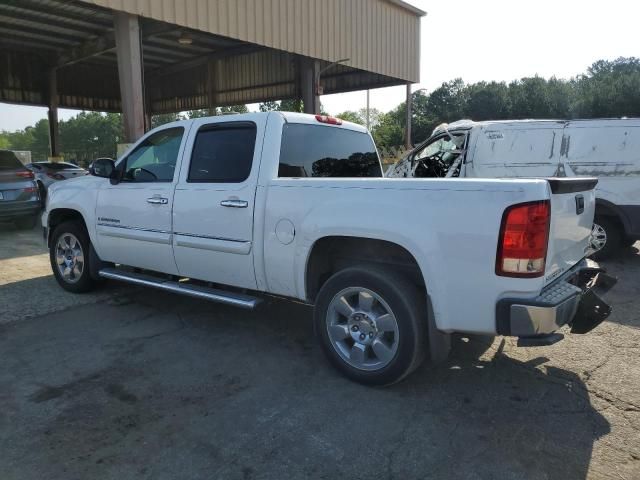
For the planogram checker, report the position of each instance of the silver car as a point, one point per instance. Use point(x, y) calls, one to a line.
point(47, 173)
point(19, 199)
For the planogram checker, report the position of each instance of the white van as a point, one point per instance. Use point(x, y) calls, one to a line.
point(608, 149)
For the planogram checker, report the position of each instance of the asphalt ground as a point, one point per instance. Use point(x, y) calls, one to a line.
point(134, 383)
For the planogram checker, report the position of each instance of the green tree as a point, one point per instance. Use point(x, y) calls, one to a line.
point(351, 116)
point(608, 89)
point(90, 135)
point(289, 105)
point(232, 109)
point(205, 112)
point(487, 101)
point(162, 118)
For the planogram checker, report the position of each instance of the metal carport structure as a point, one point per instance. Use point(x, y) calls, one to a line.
point(145, 57)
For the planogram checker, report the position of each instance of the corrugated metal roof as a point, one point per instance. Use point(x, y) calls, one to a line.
point(378, 36)
point(242, 51)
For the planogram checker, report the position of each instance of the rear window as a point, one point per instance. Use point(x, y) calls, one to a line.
point(9, 161)
point(321, 151)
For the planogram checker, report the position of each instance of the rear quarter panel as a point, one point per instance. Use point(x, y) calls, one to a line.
point(450, 227)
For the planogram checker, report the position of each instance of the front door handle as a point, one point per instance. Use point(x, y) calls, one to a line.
point(234, 203)
point(158, 200)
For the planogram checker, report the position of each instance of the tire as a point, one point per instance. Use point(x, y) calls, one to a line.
point(79, 279)
point(628, 242)
point(612, 240)
point(26, 223)
point(388, 352)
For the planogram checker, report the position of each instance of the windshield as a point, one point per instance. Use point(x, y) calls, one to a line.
point(438, 157)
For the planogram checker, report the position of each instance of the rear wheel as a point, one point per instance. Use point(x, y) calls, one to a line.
point(372, 324)
point(606, 238)
point(69, 256)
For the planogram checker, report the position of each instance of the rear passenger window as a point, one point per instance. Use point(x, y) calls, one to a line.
point(223, 153)
point(321, 151)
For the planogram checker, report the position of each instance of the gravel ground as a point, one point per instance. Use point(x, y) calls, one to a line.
point(132, 383)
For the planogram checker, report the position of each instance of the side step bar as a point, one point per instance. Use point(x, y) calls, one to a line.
point(197, 291)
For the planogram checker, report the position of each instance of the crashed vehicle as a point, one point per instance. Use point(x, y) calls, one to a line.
point(607, 149)
point(231, 208)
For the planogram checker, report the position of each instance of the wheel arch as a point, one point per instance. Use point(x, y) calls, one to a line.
point(60, 215)
point(609, 209)
point(332, 253)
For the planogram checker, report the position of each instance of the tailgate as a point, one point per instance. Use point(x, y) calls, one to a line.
point(572, 209)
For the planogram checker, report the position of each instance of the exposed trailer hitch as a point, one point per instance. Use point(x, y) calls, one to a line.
point(592, 310)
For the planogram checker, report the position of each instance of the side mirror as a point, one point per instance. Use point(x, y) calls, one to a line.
point(102, 167)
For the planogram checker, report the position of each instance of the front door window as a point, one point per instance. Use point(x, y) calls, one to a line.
point(154, 160)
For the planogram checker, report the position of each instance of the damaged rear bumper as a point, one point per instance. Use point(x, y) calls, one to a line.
point(575, 300)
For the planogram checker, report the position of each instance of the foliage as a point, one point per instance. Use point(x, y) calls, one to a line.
point(89, 135)
point(290, 105)
point(607, 89)
point(84, 137)
point(360, 116)
point(162, 118)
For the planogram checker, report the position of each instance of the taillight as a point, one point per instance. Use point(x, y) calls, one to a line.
point(523, 240)
point(328, 119)
point(24, 174)
point(30, 190)
point(55, 176)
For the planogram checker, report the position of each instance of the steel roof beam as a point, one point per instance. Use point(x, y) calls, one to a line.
point(97, 15)
point(103, 44)
point(58, 22)
point(202, 59)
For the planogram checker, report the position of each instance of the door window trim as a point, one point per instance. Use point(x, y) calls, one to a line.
point(121, 163)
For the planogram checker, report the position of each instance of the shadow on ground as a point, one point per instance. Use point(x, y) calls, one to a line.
point(150, 385)
point(16, 243)
point(624, 296)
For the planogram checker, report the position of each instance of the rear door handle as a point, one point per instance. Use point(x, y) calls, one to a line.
point(234, 203)
point(158, 200)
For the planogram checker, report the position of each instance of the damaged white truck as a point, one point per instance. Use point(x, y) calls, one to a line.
point(608, 149)
point(294, 205)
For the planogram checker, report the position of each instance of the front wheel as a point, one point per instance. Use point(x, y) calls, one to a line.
point(69, 256)
point(372, 324)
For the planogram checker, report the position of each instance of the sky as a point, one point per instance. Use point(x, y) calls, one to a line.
point(478, 40)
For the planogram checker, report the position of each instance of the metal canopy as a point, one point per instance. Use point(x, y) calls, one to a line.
point(76, 40)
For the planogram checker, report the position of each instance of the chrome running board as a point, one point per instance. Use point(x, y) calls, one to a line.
point(197, 291)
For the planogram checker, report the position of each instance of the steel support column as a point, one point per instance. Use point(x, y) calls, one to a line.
point(407, 141)
point(211, 87)
point(52, 100)
point(130, 73)
point(309, 85)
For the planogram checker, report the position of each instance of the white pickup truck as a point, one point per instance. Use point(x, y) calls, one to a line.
point(294, 205)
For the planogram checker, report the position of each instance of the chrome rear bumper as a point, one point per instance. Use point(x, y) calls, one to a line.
point(573, 299)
